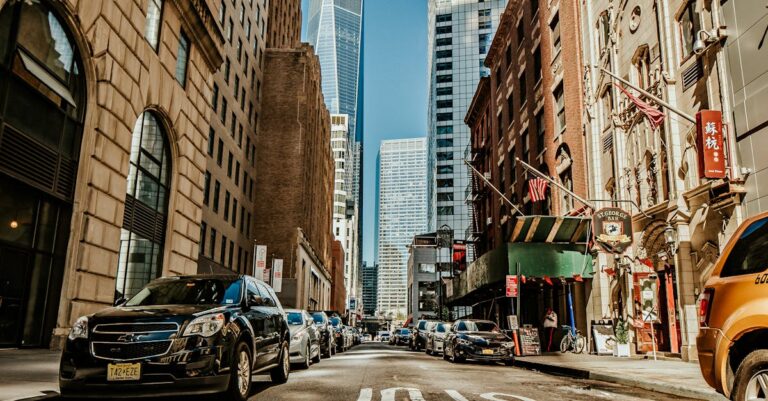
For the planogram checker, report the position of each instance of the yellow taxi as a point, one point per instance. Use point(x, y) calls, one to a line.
point(733, 316)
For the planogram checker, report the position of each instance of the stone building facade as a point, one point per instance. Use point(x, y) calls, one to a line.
point(127, 89)
point(226, 239)
point(294, 175)
point(338, 288)
point(680, 220)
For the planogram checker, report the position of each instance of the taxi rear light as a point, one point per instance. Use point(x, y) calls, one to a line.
point(705, 305)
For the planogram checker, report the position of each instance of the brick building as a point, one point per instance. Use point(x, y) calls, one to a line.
point(126, 89)
point(294, 176)
point(284, 27)
point(226, 239)
point(338, 290)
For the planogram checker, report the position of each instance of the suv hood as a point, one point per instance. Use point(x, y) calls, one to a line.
point(482, 336)
point(154, 313)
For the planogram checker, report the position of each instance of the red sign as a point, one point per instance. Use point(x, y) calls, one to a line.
point(511, 286)
point(709, 140)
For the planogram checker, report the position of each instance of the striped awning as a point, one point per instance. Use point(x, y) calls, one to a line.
point(552, 229)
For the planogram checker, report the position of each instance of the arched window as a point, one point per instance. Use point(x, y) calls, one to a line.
point(146, 204)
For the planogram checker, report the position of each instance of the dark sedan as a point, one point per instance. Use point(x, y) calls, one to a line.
point(478, 340)
point(179, 336)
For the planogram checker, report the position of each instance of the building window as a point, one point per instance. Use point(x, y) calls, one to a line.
point(146, 205)
point(444, 66)
point(444, 170)
point(445, 183)
point(444, 42)
point(223, 114)
point(445, 210)
point(484, 13)
point(152, 28)
point(444, 91)
point(216, 191)
point(229, 30)
point(444, 130)
point(444, 78)
point(215, 98)
point(226, 69)
point(555, 27)
point(182, 59)
point(445, 196)
point(560, 107)
point(207, 188)
point(537, 65)
point(211, 141)
point(444, 156)
point(520, 32)
point(229, 165)
point(484, 24)
point(526, 147)
point(220, 152)
point(444, 18)
point(444, 104)
point(226, 205)
point(444, 116)
point(223, 254)
point(511, 108)
point(234, 212)
point(534, 7)
point(213, 242)
point(540, 130)
point(522, 88)
point(690, 25)
point(444, 53)
point(443, 30)
point(445, 143)
point(222, 12)
point(203, 232)
point(607, 103)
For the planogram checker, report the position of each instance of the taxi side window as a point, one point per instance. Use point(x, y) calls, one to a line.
point(748, 255)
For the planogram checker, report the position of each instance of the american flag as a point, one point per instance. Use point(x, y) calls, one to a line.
point(655, 116)
point(537, 189)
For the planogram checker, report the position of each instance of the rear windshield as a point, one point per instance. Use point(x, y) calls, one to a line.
point(202, 291)
point(335, 321)
point(440, 328)
point(405, 331)
point(295, 318)
point(748, 255)
point(318, 318)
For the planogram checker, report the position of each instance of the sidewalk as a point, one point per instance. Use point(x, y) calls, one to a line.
point(665, 376)
point(28, 373)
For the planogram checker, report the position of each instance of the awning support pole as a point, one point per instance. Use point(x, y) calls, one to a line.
point(538, 173)
point(474, 170)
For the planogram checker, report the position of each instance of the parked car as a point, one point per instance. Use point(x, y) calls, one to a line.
point(366, 338)
point(478, 340)
point(325, 329)
point(349, 337)
point(305, 340)
point(384, 336)
point(393, 337)
point(185, 335)
point(732, 315)
point(436, 338)
point(419, 336)
point(339, 334)
point(403, 336)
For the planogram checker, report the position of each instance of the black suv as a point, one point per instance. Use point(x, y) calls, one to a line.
point(327, 338)
point(179, 336)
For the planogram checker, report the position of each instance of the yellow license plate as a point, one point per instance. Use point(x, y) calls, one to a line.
point(487, 352)
point(123, 371)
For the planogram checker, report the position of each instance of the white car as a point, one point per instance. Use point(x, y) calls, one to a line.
point(305, 339)
point(436, 338)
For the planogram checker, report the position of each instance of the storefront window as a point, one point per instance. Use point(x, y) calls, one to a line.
point(143, 233)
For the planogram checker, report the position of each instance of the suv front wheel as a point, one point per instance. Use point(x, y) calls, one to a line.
point(240, 377)
point(279, 374)
point(751, 382)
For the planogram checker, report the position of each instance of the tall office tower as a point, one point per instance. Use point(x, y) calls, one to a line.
point(460, 34)
point(402, 206)
point(226, 233)
point(344, 210)
point(370, 284)
point(335, 29)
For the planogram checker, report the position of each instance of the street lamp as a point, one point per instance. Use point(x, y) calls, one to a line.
point(670, 237)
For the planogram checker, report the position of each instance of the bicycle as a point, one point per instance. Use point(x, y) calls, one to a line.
point(572, 342)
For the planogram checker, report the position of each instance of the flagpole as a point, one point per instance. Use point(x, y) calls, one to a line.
point(553, 182)
point(652, 97)
point(474, 170)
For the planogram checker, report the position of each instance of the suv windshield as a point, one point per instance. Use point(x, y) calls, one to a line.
point(318, 318)
point(477, 326)
point(440, 328)
point(295, 318)
point(189, 291)
point(405, 331)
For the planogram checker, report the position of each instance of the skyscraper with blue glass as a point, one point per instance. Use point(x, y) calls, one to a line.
point(335, 29)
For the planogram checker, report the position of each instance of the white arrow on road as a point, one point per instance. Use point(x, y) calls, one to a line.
point(493, 397)
point(413, 394)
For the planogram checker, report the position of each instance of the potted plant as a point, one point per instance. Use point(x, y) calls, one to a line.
point(622, 339)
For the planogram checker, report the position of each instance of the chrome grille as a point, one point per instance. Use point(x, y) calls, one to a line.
point(123, 328)
point(129, 351)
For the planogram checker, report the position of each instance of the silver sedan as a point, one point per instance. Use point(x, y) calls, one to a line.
point(305, 340)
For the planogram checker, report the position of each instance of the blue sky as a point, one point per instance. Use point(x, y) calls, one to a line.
point(395, 79)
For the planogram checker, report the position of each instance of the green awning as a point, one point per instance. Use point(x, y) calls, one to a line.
point(551, 229)
point(553, 260)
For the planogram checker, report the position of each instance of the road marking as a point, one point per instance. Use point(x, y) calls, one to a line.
point(492, 397)
point(413, 394)
point(366, 394)
point(455, 395)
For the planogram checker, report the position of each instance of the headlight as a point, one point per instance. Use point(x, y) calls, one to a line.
point(79, 329)
point(297, 337)
point(462, 341)
point(205, 326)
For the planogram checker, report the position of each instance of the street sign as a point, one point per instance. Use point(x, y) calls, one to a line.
point(260, 261)
point(277, 275)
point(511, 286)
point(709, 141)
point(513, 322)
point(613, 229)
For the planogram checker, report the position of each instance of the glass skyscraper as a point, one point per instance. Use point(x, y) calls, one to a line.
point(335, 29)
point(402, 213)
point(460, 34)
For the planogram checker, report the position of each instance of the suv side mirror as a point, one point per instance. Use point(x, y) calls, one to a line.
point(119, 301)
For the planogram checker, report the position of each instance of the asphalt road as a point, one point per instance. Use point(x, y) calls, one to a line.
point(379, 372)
point(374, 372)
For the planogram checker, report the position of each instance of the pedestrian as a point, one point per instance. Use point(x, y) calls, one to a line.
point(550, 323)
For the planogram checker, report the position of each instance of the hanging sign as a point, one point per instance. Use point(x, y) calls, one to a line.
point(260, 261)
point(277, 275)
point(511, 286)
point(709, 140)
point(613, 229)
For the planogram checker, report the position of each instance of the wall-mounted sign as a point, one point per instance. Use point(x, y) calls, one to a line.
point(613, 229)
point(259, 261)
point(277, 275)
point(511, 286)
point(709, 140)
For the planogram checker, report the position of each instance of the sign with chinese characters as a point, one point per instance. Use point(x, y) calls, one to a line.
point(259, 261)
point(709, 140)
point(613, 229)
point(511, 286)
point(277, 275)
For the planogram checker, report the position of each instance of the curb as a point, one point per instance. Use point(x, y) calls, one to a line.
point(670, 389)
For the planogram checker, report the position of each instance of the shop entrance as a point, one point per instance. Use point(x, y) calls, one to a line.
point(655, 299)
